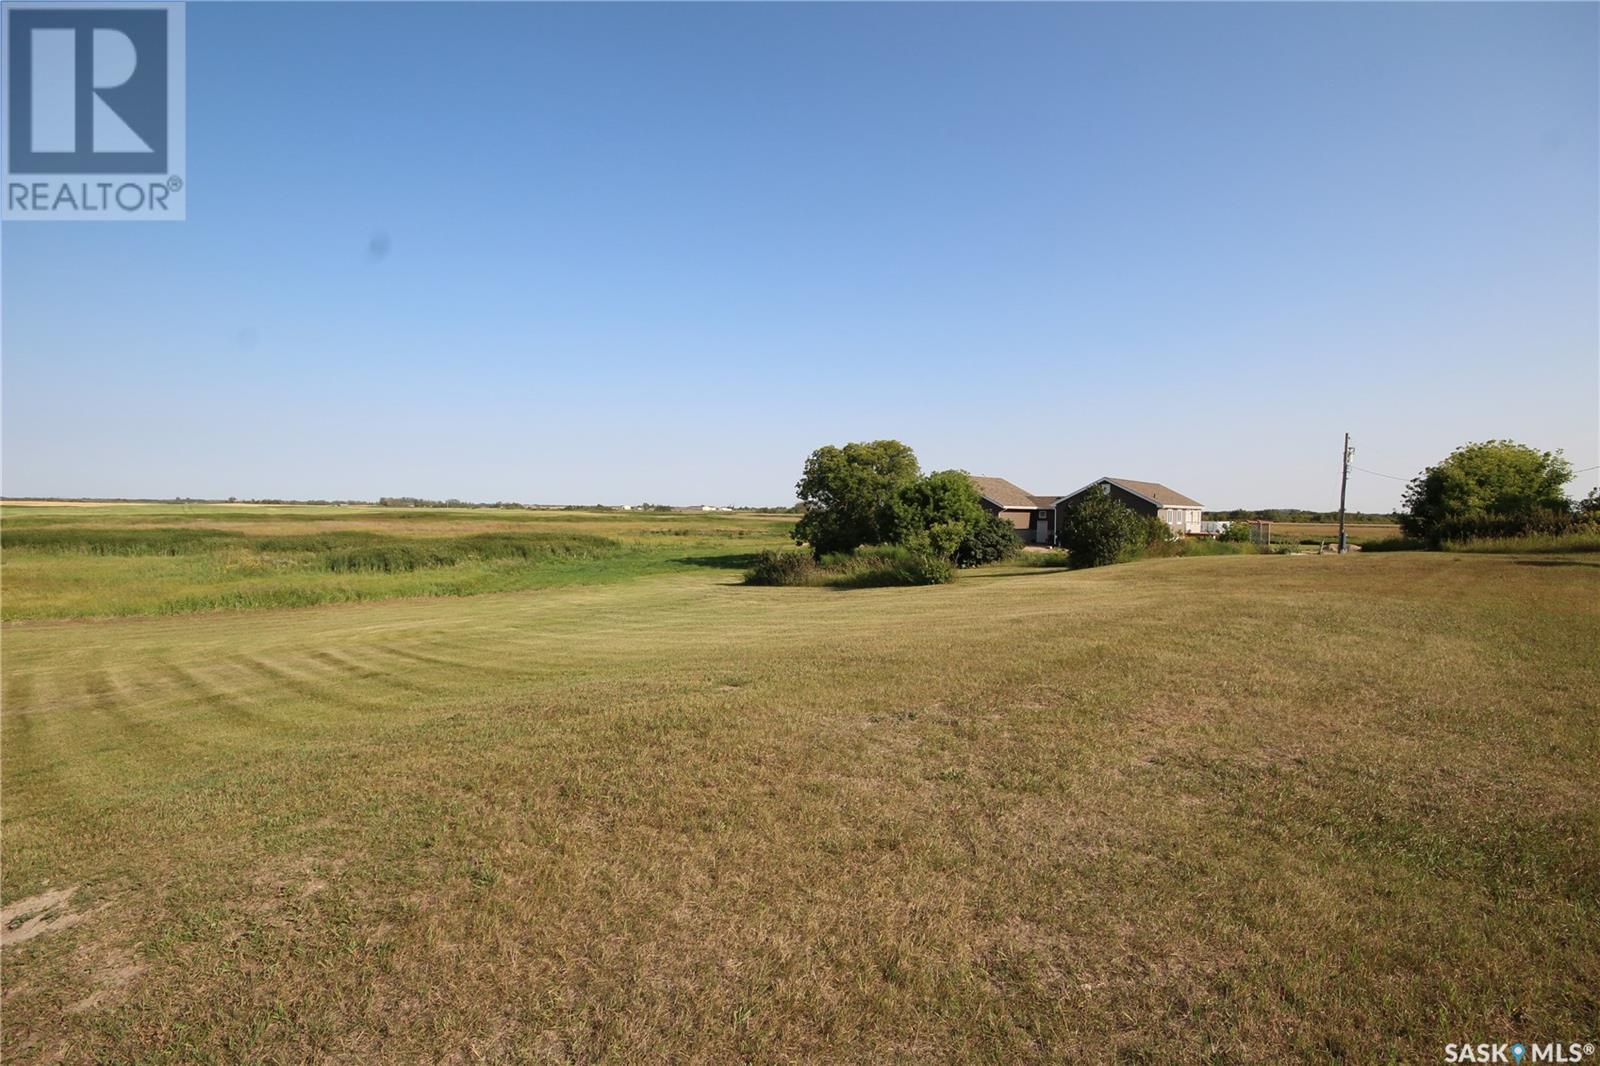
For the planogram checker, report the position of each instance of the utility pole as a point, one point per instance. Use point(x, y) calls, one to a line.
point(1344, 481)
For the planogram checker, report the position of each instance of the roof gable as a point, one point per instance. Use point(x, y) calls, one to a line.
point(1002, 493)
point(1153, 491)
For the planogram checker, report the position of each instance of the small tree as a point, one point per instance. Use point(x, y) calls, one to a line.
point(1099, 530)
point(850, 494)
point(1489, 482)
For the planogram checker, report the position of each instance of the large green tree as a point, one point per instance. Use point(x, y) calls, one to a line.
point(936, 513)
point(850, 494)
point(1495, 479)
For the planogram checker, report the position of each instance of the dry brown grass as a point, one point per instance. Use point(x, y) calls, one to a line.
point(1337, 808)
point(1357, 532)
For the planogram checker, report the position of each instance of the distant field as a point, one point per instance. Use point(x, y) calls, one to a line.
point(110, 560)
point(1242, 809)
point(1316, 532)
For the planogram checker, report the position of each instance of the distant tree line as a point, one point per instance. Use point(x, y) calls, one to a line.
point(417, 501)
point(1295, 514)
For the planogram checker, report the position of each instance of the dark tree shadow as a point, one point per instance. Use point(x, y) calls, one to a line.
point(1557, 562)
point(741, 561)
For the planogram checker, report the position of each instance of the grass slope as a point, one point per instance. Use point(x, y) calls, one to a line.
point(1243, 809)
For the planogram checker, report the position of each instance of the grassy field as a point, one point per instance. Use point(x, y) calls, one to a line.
point(73, 561)
point(1319, 532)
point(1245, 808)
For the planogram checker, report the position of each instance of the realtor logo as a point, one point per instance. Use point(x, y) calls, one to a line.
point(94, 105)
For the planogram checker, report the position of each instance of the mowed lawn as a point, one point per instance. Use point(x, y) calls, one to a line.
point(1239, 809)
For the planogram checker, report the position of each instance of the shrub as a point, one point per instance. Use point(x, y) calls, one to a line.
point(1207, 546)
point(1238, 531)
point(782, 566)
point(1099, 530)
point(1160, 542)
point(1157, 531)
point(885, 564)
point(1049, 558)
point(989, 541)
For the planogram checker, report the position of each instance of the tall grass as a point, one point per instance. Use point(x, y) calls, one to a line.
point(1533, 543)
point(869, 566)
point(339, 551)
point(883, 565)
point(118, 541)
point(1193, 546)
point(400, 556)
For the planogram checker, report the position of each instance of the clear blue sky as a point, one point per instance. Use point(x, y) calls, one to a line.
point(662, 252)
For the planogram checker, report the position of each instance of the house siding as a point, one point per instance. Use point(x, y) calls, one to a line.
point(1182, 520)
point(1023, 521)
point(1137, 504)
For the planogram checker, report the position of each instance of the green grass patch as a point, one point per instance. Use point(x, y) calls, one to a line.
point(113, 561)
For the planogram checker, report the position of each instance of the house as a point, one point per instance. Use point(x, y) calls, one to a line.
point(1033, 516)
point(1145, 497)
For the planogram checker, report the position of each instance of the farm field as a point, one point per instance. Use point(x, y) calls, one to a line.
point(625, 808)
point(1314, 532)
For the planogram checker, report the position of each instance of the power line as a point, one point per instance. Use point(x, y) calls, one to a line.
point(1391, 477)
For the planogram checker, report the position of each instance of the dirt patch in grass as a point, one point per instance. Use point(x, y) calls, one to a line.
point(108, 972)
point(47, 912)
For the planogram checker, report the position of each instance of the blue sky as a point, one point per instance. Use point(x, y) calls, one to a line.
point(662, 252)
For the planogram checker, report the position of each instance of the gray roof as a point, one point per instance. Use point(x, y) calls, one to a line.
point(1153, 491)
point(1002, 493)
